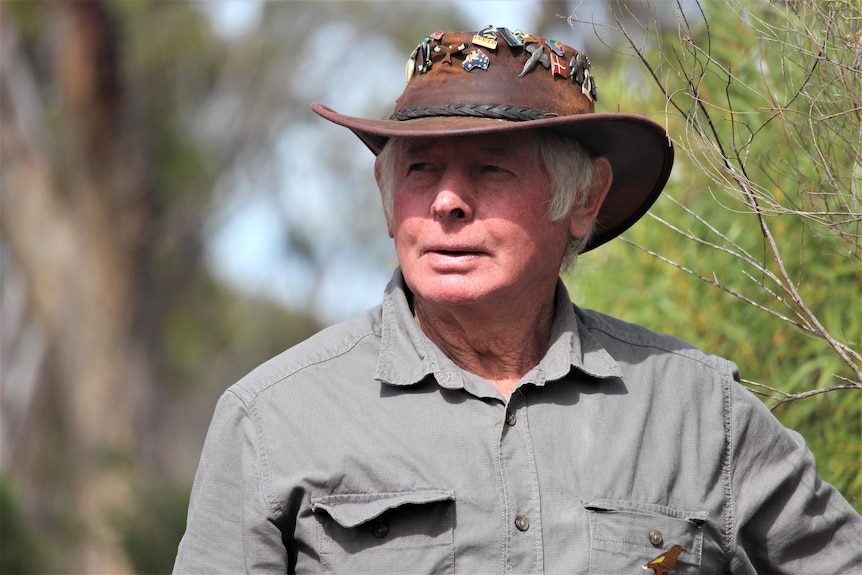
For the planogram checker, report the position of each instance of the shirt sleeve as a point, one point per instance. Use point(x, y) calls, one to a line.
point(787, 520)
point(230, 527)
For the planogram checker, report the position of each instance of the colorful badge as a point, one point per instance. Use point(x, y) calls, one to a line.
point(556, 47)
point(665, 562)
point(537, 56)
point(438, 35)
point(476, 59)
point(514, 39)
point(558, 66)
point(486, 38)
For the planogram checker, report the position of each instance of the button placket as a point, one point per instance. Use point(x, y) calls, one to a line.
point(520, 488)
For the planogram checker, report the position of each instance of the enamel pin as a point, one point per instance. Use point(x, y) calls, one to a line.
point(476, 59)
point(514, 39)
point(486, 38)
point(558, 66)
point(556, 47)
point(666, 561)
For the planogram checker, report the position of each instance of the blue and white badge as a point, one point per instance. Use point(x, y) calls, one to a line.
point(476, 59)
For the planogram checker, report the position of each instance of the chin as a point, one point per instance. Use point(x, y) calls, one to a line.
point(455, 290)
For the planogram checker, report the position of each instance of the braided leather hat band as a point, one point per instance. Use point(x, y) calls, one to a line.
point(508, 112)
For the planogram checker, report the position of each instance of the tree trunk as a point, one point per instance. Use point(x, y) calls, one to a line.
point(87, 197)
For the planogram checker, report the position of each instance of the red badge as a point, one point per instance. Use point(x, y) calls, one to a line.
point(558, 65)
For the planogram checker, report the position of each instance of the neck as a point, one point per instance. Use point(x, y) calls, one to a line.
point(501, 345)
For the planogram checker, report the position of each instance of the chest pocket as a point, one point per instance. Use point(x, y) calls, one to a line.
point(624, 537)
point(403, 532)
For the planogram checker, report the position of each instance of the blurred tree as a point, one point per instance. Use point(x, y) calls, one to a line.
point(123, 123)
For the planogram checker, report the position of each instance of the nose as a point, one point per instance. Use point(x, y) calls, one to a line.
point(453, 200)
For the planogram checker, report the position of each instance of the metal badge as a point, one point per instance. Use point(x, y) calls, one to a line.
point(537, 56)
point(449, 50)
point(556, 47)
point(438, 35)
point(411, 65)
point(486, 38)
point(420, 59)
point(579, 70)
point(514, 39)
point(558, 65)
point(589, 87)
point(476, 59)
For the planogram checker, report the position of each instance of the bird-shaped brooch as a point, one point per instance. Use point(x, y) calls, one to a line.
point(666, 561)
point(538, 56)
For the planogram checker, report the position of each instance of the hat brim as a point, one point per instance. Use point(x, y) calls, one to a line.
point(639, 150)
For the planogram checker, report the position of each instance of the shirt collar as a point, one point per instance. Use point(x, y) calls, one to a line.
point(407, 356)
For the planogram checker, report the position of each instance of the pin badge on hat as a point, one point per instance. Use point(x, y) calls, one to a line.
point(537, 56)
point(486, 38)
point(556, 47)
point(558, 66)
point(579, 70)
point(420, 59)
point(448, 51)
point(514, 39)
point(476, 59)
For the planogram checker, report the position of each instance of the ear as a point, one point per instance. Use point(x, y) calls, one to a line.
point(389, 227)
point(582, 218)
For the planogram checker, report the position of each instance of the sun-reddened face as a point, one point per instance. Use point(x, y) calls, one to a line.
point(470, 219)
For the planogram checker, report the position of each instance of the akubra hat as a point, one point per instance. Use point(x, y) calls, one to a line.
point(497, 80)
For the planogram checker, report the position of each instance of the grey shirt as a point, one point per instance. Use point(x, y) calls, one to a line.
point(366, 450)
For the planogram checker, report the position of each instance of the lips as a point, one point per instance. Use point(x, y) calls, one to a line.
point(454, 251)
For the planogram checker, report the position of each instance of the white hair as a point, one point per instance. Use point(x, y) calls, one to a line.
point(569, 167)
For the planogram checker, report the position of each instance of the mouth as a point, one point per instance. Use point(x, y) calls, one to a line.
point(454, 253)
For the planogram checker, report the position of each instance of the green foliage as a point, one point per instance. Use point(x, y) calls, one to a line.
point(151, 536)
point(21, 551)
point(760, 110)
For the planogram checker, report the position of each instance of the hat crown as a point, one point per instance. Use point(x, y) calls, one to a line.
point(498, 74)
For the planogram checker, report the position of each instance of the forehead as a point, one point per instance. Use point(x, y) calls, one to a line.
point(521, 145)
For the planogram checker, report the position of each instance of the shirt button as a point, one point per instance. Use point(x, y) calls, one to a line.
point(380, 530)
point(511, 418)
point(522, 523)
point(655, 537)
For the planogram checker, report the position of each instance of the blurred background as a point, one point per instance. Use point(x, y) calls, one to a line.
point(173, 214)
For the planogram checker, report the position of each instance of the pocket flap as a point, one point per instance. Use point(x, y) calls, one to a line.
point(613, 506)
point(352, 509)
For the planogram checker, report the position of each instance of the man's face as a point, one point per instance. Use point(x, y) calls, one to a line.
point(470, 220)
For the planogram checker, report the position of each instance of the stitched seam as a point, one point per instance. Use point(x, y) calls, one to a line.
point(726, 471)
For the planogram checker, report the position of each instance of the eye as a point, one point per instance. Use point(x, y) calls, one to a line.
point(419, 167)
point(496, 171)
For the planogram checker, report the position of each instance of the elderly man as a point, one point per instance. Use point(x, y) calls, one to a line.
point(477, 421)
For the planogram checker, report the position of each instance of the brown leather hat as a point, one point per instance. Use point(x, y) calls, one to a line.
point(464, 83)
